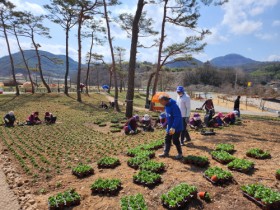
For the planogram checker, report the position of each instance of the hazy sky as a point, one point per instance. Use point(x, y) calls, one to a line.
point(247, 27)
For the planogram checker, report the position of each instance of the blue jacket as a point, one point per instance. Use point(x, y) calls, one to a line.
point(173, 115)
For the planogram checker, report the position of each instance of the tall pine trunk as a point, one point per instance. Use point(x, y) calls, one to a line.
point(113, 58)
point(148, 87)
point(89, 61)
point(40, 65)
point(10, 54)
point(67, 62)
point(24, 60)
point(79, 97)
point(160, 48)
point(132, 60)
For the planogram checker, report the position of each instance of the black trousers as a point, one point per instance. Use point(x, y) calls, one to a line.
point(175, 137)
point(185, 132)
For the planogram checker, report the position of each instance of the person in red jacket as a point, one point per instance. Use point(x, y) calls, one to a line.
point(208, 105)
point(33, 119)
point(131, 125)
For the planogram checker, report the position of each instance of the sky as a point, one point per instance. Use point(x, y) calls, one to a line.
point(247, 27)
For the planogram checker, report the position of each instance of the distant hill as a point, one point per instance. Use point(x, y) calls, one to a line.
point(233, 60)
point(182, 64)
point(49, 68)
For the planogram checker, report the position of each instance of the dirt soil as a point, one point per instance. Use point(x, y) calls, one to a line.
point(8, 199)
point(260, 134)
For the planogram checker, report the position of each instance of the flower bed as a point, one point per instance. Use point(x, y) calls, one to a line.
point(65, 199)
point(258, 153)
point(147, 178)
point(82, 171)
point(179, 196)
point(152, 166)
point(108, 162)
point(133, 202)
point(135, 162)
point(277, 175)
point(106, 186)
point(263, 196)
point(241, 165)
point(225, 147)
point(199, 161)
point(222, 157)
point(217, 175)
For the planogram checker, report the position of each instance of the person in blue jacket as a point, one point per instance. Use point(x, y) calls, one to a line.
point(174, 126)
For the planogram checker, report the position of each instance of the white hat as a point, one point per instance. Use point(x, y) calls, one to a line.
point(11, 113)
point(146, 117)
point(235, 112)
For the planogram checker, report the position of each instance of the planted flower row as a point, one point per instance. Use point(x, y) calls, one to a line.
point(65, 199)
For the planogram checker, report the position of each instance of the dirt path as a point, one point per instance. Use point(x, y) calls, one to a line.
point(110, 98)
point(8, 199)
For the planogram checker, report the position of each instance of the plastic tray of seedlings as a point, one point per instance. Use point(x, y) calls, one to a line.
point(133, 202)
point(199, 161)
point(63, 200)
point(138, 151)
point(258, 154)
point(218, 176)
point(147, 178)
point(154, 145)
point(135, 162)
point(241, 165)
point(82, 171)
point(179, 196)
point(277, 174)
point(152, 166)
point(108, 162)
point(225, 147)
point(264, 197)
point(222, 157)
point(106, 186)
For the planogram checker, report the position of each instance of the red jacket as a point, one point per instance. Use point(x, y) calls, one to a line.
point(131, 123)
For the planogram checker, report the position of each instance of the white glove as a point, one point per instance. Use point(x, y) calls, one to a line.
point(171, 131)
point(131, 132)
